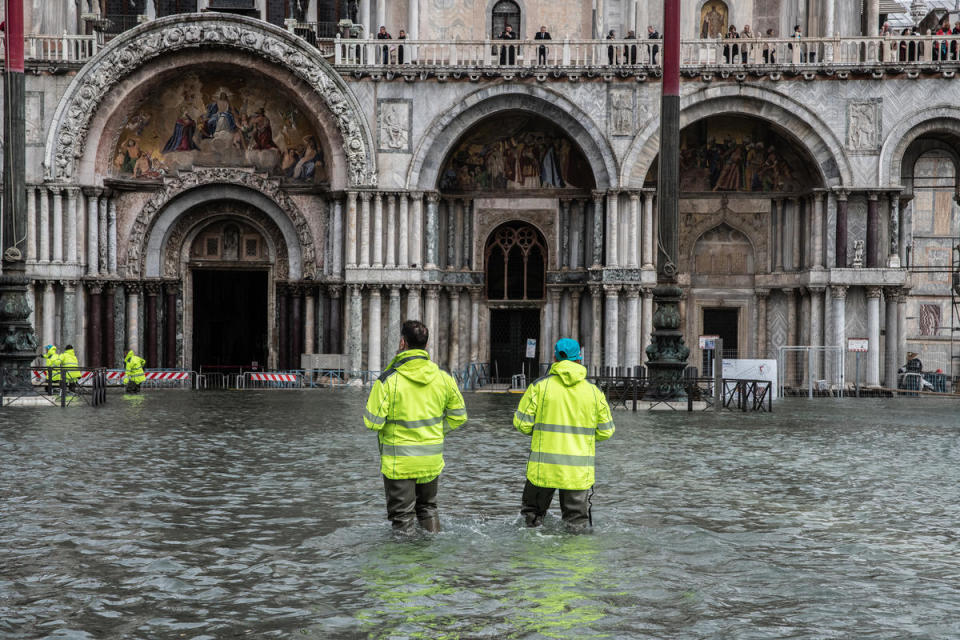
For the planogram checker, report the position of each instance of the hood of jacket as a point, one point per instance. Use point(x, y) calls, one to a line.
point(419, 370)
point(130, 354)
point(51, 352)
point(569, 372)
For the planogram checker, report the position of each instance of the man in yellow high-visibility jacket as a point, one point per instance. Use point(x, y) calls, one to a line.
point(411, 406)
point(133, 375)
point(567, 416)
point(51, 362)
point(68, 359)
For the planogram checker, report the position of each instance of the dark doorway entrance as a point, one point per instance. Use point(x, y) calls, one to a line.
point(229, 319)
point(509, 331)
point(724, 323)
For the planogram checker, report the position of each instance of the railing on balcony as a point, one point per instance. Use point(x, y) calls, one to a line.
point(696, 55)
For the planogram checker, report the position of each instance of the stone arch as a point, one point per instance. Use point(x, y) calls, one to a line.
point(793, 118)
point(944, 119)
point(132, 49)
point(155, 223)
point(446, 129)
point(716, 235)
point(752, 227)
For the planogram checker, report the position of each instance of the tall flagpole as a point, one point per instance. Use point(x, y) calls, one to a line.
point(667, 354)
point(18, 344)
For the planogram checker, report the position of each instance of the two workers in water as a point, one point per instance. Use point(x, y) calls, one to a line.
point(413, 405)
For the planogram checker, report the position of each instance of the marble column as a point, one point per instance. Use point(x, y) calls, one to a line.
point(647, 313)
point(841, 248)
point(363, 16)
point(459, 249)
point(103, 234)
point(468, 214)
point(413, 302)
point(564, 234)
point(351, 239)
point(873, 231)
point(393, 319)
point(819, 205)
point(546, 331)
point(57, 224)
point(31, 224)
point(355, 340)
point(335, 323)
point(403, 232)
point(338, 237)
point(613, 226)
point(475, 295)
point(377, 241)
point(902, 231)
point(873, 18)
point(611, 351)
point(873, 334)
point(94, 325)
point(112, 236)
point(649, 257)
point(803, 321)
point(893, 260)
point(453, 360)
point(776, 247)
point(150, 317)
point(432, 230)
point(283, 326)
point(555, 295)
point(816, 329)
point(451, 218)
point(170, 324)
point(309, 321)
point(432, 312)
point(762, 296)
point(132, 330)
point(365, 197)
point(839, 313)
point(633, 232)
point(595, 359)
point(92, 235)
point(49, 313)
point(44, 195)
point(632, 358)
point(892, 339)
point(391, 253)
point(68, 330)
point(575, 314)
point(597, 233)
point(374, 327)
point(71, 226)
point(416, 229)
point(792, 370)
point(796, 227)
point(109, 325)
point(381, 16)
point(902, 326)
point(413, 20)
point(576, 220)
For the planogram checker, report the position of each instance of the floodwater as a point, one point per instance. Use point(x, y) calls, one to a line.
point(261, 515)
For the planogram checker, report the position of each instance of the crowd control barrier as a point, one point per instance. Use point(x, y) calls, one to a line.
point(270, 380)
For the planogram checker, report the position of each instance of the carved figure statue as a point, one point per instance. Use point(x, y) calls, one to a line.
point(858, 254)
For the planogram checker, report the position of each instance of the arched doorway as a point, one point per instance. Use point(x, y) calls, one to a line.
point(515, 260)
point(230, 270)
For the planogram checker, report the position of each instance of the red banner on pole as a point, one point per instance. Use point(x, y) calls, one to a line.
point(13, 36)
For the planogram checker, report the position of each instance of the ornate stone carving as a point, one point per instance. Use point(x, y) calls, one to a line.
point(186, 180)
point(393, 125)
point(622, 112)
point(136, 47)
point(863, 125)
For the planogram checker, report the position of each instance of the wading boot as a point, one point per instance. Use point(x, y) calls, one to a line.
point(431, 524)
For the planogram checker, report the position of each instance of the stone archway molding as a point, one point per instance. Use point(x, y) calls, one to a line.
point(942, 118)
point(810, 131)
point(189, 189)
point(693, 227)
point(132, 49)
point(447, 129)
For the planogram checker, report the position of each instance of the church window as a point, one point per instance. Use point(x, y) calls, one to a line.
point(516, 259)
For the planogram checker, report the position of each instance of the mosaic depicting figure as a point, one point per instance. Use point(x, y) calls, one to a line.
point(738, 154)
point(218, 119)
point(521, 153)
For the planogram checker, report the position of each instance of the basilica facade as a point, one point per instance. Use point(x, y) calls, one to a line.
point(233, 189)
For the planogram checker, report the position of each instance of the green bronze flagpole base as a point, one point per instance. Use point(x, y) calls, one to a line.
point(666, 354)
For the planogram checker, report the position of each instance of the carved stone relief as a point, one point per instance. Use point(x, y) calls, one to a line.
point(393, 125)
point(135, 48)
point(863, 125)
point(189, 180)
point(622, 112)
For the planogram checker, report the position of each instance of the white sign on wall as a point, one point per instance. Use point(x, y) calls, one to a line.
point(858, 344)
point(708, 343)
point(531, 348)
point(752, 370)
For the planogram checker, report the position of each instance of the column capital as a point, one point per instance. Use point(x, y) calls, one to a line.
point(842, 194)
point(132, 286)
point(874, 292)
point(394, 290)
point(893, 293)
point(373, 290)
point(48, 284)
point(575, 293)
point(69, 286)
point(475, 292)
point(787, 291)
point(55, 189)
point(355, 289)
point(93, 192)
point(432, 291)
point(873, 196)
point(838, 291)
point(94, 287)
point(413, 287)
point(613, 193)
point(598, 196)
point(611, 290)
point(632, 290)
point(634, 196)
point(171, 288)
point(365, 196)
point(816, 288)
point(415, 195)
point(335, 291)
point(595, 290)
point(378, 196)
point(433, 196)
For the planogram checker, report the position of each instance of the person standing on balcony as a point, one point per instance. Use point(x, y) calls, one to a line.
point(412, 406)
point(798, 36)
point(610, 50)
point(653, 34)
point(401, 36)
point(769, 53)
point(730, 53)
point(508, 55)
point(384, 50)
point(543, 34)
point(566, 416)
point(746, 49)
point(630, 50)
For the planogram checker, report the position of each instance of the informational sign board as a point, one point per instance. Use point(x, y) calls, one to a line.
point(531, 347)
point(752, 370)
point(708, 343)
point(858, 344)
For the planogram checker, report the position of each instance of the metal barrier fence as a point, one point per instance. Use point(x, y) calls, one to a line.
point(819, 370)
point(270, 380)
point(628, 392)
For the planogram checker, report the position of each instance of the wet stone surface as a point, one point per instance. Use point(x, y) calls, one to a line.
point(259, 514)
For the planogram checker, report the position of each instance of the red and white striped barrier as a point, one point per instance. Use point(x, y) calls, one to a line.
point(274, 377)
point(269, 380)
point(168, 375)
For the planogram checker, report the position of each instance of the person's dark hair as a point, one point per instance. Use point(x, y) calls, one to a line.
point(68, 347)
point(415, 334)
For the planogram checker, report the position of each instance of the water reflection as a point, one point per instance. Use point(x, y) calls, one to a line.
point(261, 515)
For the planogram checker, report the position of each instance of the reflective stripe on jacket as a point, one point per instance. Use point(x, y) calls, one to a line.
point(566, 416)
point(134, 368)
point(411, 406)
